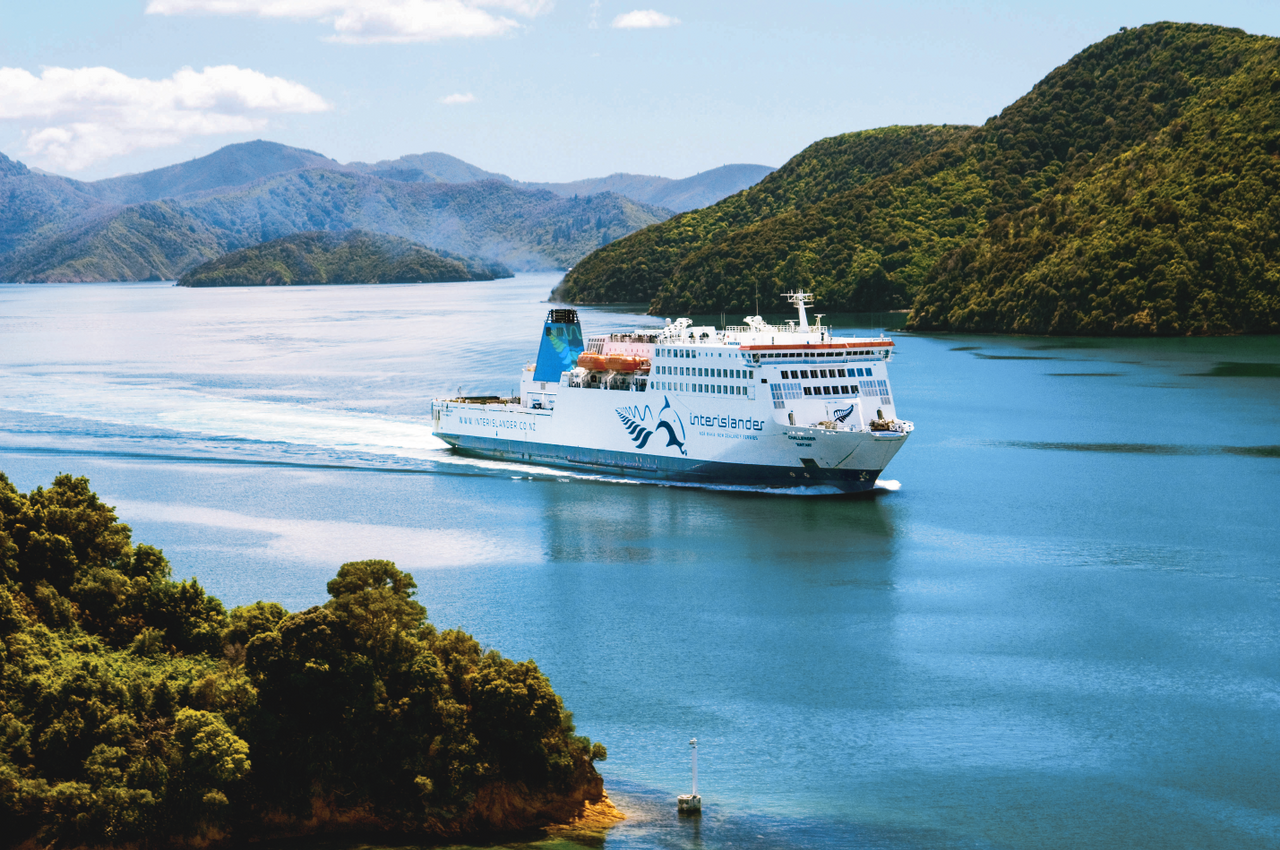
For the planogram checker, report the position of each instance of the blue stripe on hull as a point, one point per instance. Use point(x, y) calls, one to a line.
point(661, 468)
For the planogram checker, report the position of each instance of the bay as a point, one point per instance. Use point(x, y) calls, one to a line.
point(1055, 626)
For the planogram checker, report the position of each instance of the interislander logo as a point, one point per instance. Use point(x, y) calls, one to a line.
point(842, 415)
point(635, 421)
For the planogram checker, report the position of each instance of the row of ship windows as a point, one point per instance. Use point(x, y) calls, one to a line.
point(795, 375)
point(701, 372)
point(794, 391)
point(717, 389)
point(807, 355)
point(687, 352)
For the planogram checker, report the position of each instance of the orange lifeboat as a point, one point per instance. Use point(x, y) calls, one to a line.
point(624, 363)
point(592, 362)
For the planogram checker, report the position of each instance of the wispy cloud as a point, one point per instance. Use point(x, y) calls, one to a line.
point(75, 117)
point(374, 21)
point(642, 19)
point(454, 99)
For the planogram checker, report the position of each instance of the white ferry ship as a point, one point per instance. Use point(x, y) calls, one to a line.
point(761, 405)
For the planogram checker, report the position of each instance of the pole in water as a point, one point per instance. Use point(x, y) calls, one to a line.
point(691, 804)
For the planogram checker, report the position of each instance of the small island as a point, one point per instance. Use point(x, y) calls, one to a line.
point(347, 257)
point(136, 711)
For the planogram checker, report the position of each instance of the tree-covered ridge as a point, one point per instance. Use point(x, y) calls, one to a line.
point(1178, 235)
point(637, 267)
point(136, 710)
point(876, 245)
point(356, 256)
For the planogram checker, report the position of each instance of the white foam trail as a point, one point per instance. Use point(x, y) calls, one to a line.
point(196, 413)
point(888, 484)
point(193, 412)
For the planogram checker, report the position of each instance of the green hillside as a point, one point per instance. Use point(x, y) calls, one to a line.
point(136, 711)
point(1178, 235)
point(951, 231)
point(355, 256)
point(636, 268)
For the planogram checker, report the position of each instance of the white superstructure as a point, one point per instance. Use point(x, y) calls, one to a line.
point(759, 404)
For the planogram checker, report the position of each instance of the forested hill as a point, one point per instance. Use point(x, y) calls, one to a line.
point(355, 256)
point(635, 268)
point(137, 712)
point(1133, 190)
point(1180, 234)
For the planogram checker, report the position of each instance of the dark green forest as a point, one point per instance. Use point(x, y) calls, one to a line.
point(1132, 191)
point(136, 710)
point(354, 256)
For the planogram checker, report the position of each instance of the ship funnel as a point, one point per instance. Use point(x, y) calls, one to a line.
point(561, 345)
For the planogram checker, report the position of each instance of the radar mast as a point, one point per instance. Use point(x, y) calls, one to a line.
point(801, 300)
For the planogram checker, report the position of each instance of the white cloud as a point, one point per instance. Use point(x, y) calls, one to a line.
point(74, 117)
point(643, 19)
point(454, 99)
point(374, 21)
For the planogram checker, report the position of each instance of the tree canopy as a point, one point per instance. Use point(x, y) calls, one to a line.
point(135, 708)
point(354, 256)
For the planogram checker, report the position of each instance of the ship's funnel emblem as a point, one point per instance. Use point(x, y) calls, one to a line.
point(636, 422)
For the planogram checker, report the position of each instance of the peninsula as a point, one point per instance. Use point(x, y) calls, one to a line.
point(136, 711)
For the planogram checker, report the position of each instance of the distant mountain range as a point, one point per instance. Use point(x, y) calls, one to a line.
point(1132, 191)
point(700, 190)
point(158, 224)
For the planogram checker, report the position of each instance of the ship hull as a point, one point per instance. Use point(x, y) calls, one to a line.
point(661, 437)
point(705, 472)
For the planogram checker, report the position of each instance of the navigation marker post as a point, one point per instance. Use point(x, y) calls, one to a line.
point(691, 804)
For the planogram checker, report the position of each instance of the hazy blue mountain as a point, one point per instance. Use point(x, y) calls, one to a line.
point(33, 203)
point(700, 190)
point(523, 229)
point(163, 222)
point(707, 187)
point(233, 165)
point(151, 241)
point(427, 168)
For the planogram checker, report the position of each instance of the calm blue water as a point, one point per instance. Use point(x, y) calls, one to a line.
point(1062, 630)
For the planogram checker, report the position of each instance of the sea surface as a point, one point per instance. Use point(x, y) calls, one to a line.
point(1055, 625)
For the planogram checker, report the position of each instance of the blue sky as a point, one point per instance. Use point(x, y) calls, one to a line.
point(537, 89)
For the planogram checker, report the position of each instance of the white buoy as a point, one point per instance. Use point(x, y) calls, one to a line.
point(691, 804)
